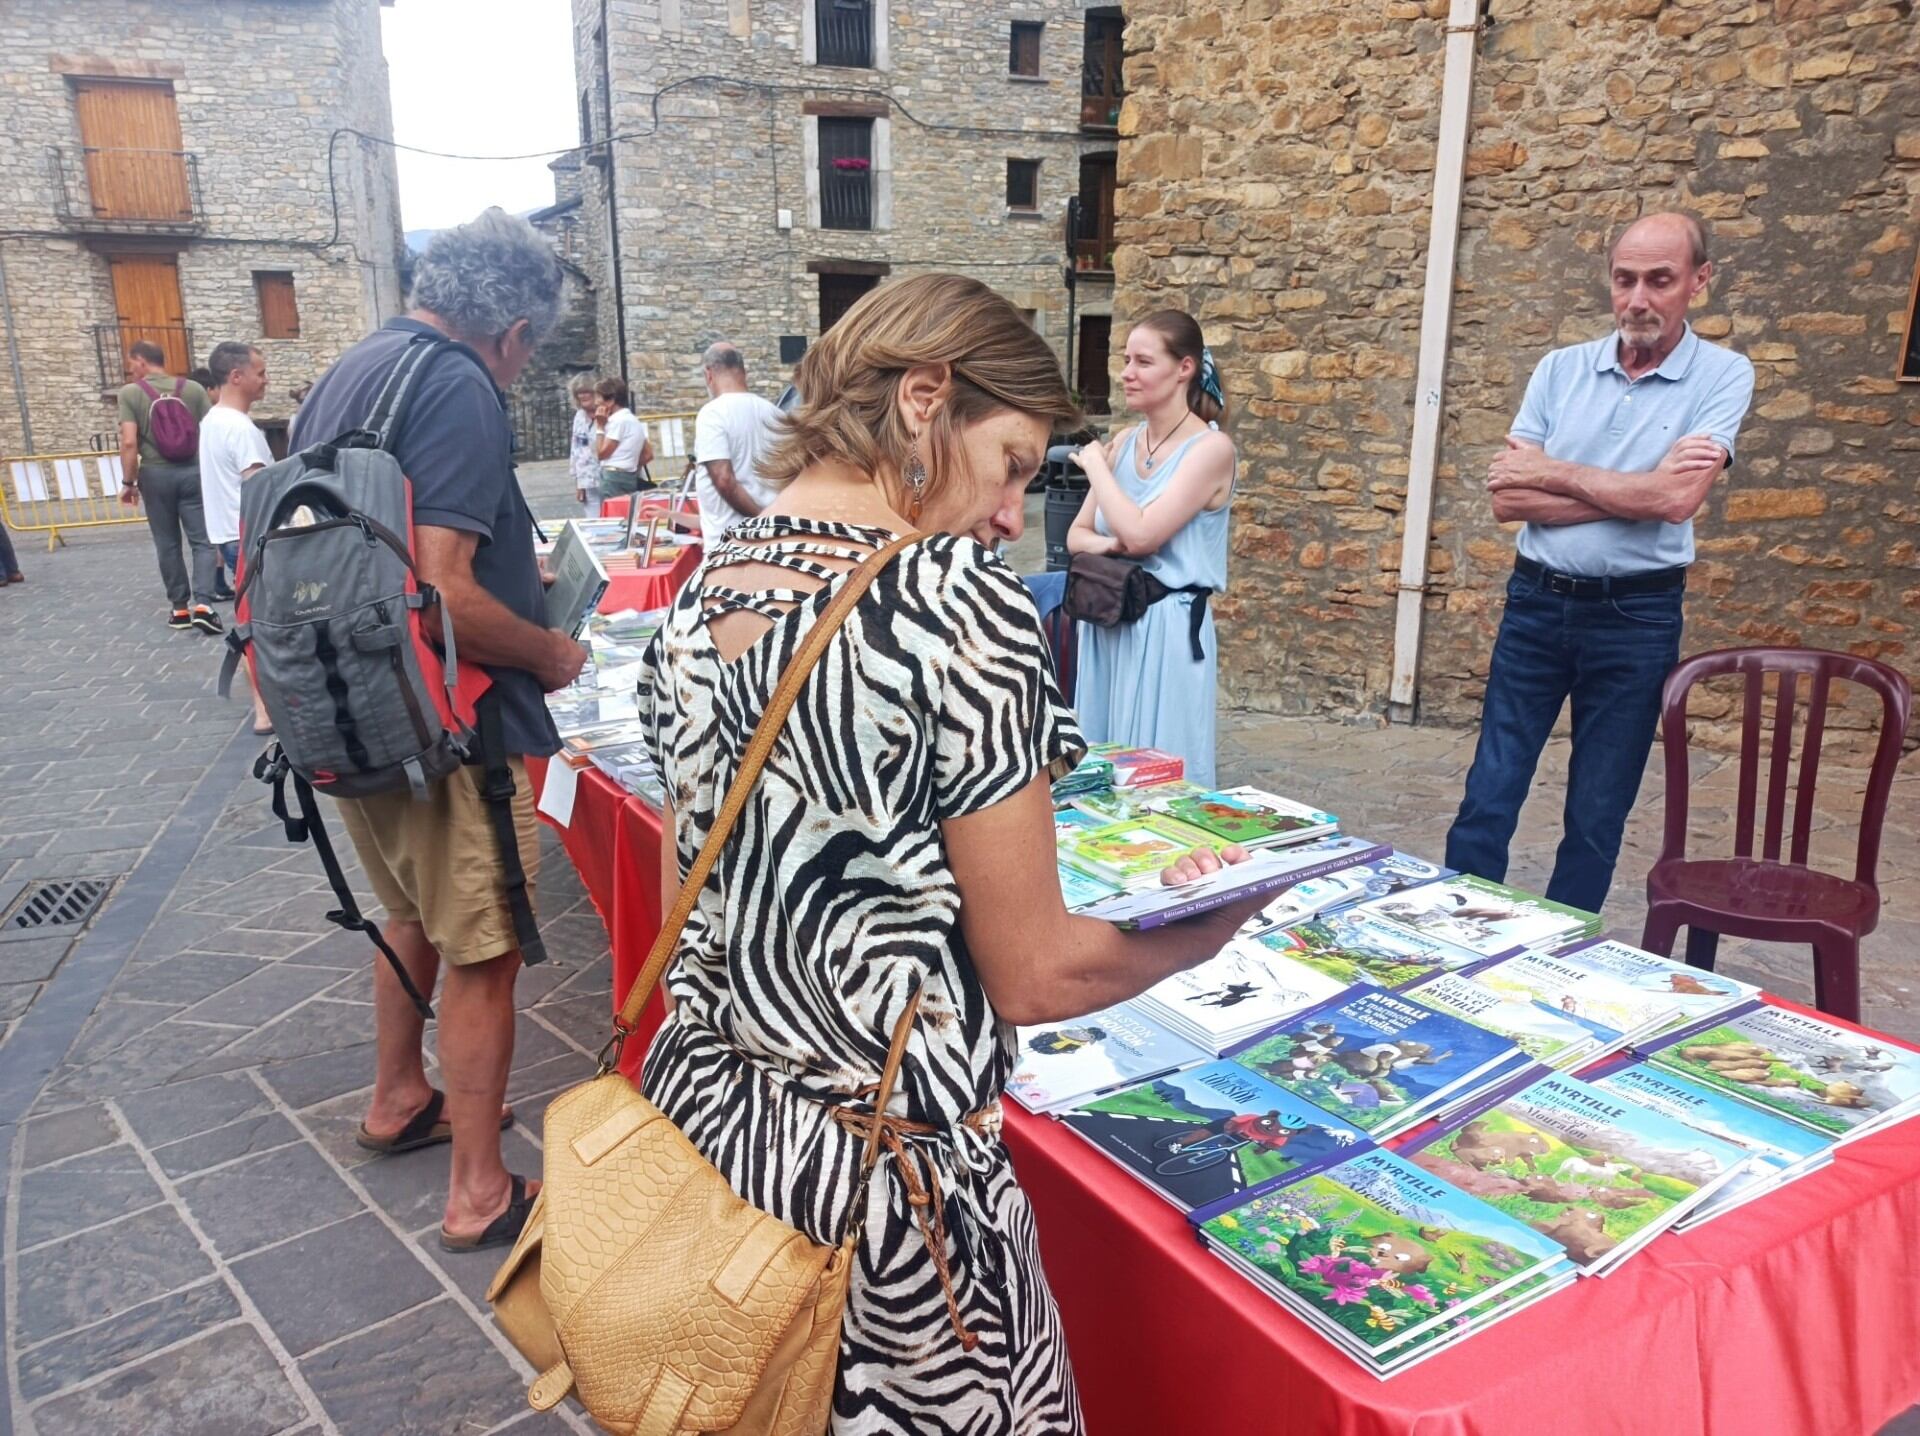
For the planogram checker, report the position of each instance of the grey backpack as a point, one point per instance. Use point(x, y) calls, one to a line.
point(366, 696)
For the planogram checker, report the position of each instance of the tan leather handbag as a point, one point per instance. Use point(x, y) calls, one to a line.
point(641, 1282)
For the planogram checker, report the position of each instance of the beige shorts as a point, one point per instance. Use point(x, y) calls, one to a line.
point(437, 862)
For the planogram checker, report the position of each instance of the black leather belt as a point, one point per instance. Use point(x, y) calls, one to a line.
point(1571, 585)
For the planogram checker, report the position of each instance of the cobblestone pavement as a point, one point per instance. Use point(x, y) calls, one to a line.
point(192, 1241)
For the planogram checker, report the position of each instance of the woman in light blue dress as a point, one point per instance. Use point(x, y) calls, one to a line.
point(1163, 498)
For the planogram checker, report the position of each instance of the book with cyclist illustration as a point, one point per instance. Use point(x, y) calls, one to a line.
point(1210, 1132)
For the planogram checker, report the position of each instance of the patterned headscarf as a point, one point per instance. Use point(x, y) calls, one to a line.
point(1210, 378)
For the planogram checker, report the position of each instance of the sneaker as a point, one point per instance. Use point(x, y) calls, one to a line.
point(206, 620)
point(181, 619)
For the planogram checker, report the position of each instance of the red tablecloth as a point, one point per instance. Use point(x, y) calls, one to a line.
point(1798, 1315)
point(616, 508)
point(642, 588)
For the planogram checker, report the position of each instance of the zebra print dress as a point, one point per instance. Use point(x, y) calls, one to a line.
point(830, 905)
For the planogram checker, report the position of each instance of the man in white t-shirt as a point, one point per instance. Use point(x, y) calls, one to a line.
point(232, 449)
point(624, 448)
point(732, 436)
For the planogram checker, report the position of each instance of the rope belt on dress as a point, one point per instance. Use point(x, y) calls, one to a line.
point(923, 1200)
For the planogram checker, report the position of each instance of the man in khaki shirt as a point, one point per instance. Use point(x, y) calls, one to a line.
point(171, 491)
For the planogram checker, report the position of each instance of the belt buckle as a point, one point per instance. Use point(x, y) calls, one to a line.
point(1563, 584)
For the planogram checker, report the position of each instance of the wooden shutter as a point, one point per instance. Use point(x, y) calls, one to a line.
point(1023, 48)
point(1023, 184)
point(279, 314)
point(146, 297)
point(131, 133)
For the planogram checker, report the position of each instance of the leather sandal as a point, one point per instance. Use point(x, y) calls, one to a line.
point(426, 1128)
point(503, 1230)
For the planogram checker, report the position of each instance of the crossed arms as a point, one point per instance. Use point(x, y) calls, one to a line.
point(1528, 486)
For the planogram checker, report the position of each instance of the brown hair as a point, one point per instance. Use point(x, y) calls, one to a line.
point(851, 375)
point(146, 349)
point(1180, 332)
point(614, 389)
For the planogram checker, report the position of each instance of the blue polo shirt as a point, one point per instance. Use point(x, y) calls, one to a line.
point(456, 449)
point(1581, 406)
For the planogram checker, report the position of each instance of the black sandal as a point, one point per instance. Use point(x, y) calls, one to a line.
point(503, 1230)
point(427, 1128)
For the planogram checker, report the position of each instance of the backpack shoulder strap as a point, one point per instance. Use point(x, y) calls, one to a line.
point(145, 388)
point(396, 395)
point(179, 387)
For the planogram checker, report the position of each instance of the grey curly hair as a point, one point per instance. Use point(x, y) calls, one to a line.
point(482, 276)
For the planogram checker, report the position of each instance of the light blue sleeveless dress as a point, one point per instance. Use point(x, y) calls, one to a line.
point(1140, 684)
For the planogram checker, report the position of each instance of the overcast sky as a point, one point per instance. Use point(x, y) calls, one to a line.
point(478, 77)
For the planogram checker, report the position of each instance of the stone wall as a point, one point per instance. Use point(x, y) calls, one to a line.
point(701, 193)
point(1277, 182)
point(259, 86)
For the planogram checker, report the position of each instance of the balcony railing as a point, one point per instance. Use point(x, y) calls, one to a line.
point(843, 33)
point(111, 342)
point(127, 191)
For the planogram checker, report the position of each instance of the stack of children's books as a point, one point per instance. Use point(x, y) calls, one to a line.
point(1244, 989)
point(1483, 919)
point(1061, 1063)
point(1363, 881)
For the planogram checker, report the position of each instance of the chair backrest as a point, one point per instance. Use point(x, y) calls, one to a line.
point(1818, 668)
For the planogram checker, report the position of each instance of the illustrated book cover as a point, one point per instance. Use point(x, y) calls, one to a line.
point(1589, 1169)
point(1486, 919)
point(1149, 904)
point(1354, 948)
point(1241, 990)
point(1061, 1063)
point(1377, 1058)
point(1209, 1132)
point(1248, 816)
point(1134, 851)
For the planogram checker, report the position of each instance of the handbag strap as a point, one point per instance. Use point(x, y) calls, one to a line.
point(759, 747)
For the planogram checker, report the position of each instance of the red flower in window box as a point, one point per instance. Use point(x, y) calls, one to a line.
point(852, 162)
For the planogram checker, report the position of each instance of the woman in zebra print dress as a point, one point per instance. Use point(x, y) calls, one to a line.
point(899, 839)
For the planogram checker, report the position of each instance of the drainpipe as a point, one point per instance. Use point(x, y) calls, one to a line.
point(1436, 315)
point(613, 193)
point(13, 356)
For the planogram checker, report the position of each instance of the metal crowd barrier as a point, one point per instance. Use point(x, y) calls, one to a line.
point(45, 493)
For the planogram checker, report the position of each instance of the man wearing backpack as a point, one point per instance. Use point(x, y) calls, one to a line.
point(159, 463)
point(436, 861)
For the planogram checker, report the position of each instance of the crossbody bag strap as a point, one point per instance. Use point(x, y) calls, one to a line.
point(765, 734)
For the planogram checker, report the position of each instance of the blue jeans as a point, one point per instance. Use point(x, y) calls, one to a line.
point(1610, 656)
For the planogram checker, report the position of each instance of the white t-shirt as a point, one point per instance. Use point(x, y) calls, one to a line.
point(631, 436)
point(230, 444)
point(741, 428)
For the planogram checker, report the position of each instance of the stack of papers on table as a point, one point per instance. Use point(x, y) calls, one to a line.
point(1825, 1077)
point(1061, 1063)
point(1384, 1260)
point(1483, 918)
point(1244, 989)
point(1779, 1151)
point(1592, 1170)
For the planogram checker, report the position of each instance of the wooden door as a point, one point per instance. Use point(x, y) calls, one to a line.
point(1093, 377)
point(146, 300)
point(131, 134)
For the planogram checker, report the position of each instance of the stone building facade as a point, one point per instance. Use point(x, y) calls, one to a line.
point(176, 172)
point(772, 159)
point(1277, 180)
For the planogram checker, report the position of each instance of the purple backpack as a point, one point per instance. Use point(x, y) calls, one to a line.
point(171, 425)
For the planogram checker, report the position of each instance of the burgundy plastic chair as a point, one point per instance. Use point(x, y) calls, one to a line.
point(1766, 897)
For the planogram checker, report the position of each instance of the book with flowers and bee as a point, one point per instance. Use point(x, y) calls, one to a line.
point(1375, 1254)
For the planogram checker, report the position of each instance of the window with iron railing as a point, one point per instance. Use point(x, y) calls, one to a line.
point(843, 33)
point(1101, 86)
point(846, 173)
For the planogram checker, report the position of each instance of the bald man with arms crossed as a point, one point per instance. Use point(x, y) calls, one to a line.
point(1615, 448)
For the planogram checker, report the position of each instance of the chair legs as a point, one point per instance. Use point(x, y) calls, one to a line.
point(1836, 976)
point(1701, 947)
point(1658, 935)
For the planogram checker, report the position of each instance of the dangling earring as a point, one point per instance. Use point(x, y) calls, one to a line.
point(914, 476)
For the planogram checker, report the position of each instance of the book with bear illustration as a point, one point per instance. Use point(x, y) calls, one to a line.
point(1781, 1150)
point(1381, 1060)
point(1375, 1254)
point(1484, 918)
point(1209, 1132)
point(1251, 817)
point(1833, 1079)
point(1593, 1171)
point(1061, 1063)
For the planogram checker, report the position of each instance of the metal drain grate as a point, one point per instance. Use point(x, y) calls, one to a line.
point(51, 905)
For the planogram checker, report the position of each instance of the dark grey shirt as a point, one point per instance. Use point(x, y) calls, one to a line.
point(456, 450)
